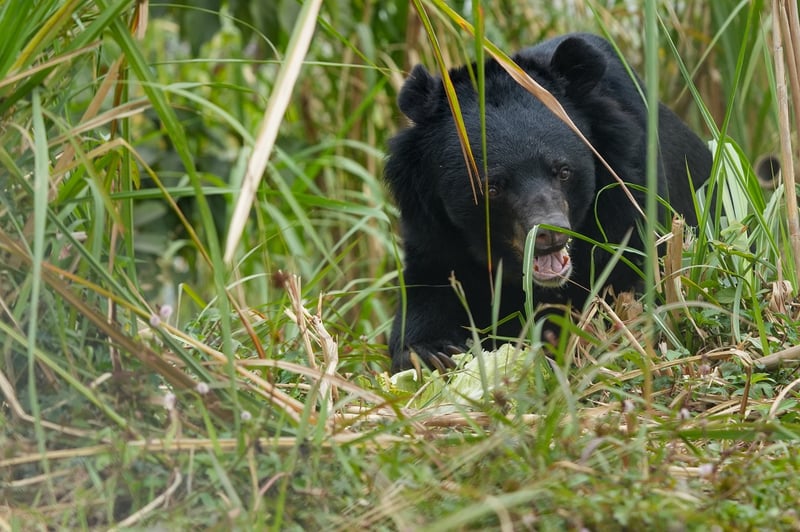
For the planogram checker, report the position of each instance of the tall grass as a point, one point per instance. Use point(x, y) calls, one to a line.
point(146, 381)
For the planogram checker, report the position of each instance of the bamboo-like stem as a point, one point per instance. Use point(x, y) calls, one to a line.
point(786, 30)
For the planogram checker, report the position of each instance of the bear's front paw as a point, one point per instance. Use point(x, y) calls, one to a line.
point(436, 355)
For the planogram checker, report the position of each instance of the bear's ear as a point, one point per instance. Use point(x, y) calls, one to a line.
point(419, 97)
point(579, 64)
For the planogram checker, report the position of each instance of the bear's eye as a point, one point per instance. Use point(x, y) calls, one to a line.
point(563, 172)
point(493, 190)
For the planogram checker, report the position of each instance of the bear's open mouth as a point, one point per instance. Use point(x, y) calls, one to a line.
point(552, 269)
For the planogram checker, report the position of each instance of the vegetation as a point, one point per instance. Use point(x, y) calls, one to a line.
point(147, 381)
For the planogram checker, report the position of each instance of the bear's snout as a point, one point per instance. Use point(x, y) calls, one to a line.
point(548, 241)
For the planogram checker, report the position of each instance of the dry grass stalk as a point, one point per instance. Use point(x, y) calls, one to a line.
point(273, 116)
point(19, 412)
point(153, 505)
point(189, 445)
point(672, 267)
point(773, 410)
point(316, 332)
point(781, 358)
point(649, 357)
point(298, 315)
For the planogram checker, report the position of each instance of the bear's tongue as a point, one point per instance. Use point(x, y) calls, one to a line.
point(553, 268)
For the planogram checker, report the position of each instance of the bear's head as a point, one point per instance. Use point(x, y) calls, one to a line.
point(536, 170)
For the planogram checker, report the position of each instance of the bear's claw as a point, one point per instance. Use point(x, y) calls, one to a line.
point(435, 356)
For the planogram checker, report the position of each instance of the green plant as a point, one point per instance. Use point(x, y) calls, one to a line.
point(147, 382)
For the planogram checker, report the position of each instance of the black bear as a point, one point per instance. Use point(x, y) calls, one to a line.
point(539, 171)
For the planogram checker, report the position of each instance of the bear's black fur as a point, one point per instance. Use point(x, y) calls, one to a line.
point(539, 171)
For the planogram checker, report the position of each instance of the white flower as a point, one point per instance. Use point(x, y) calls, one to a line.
point(202, 388)
point(180, 264)
point(169, 401)
point(705, 470)
point(628, 406)
point(165, 312)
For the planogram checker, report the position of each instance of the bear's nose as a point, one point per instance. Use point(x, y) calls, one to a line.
point(548, 241)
